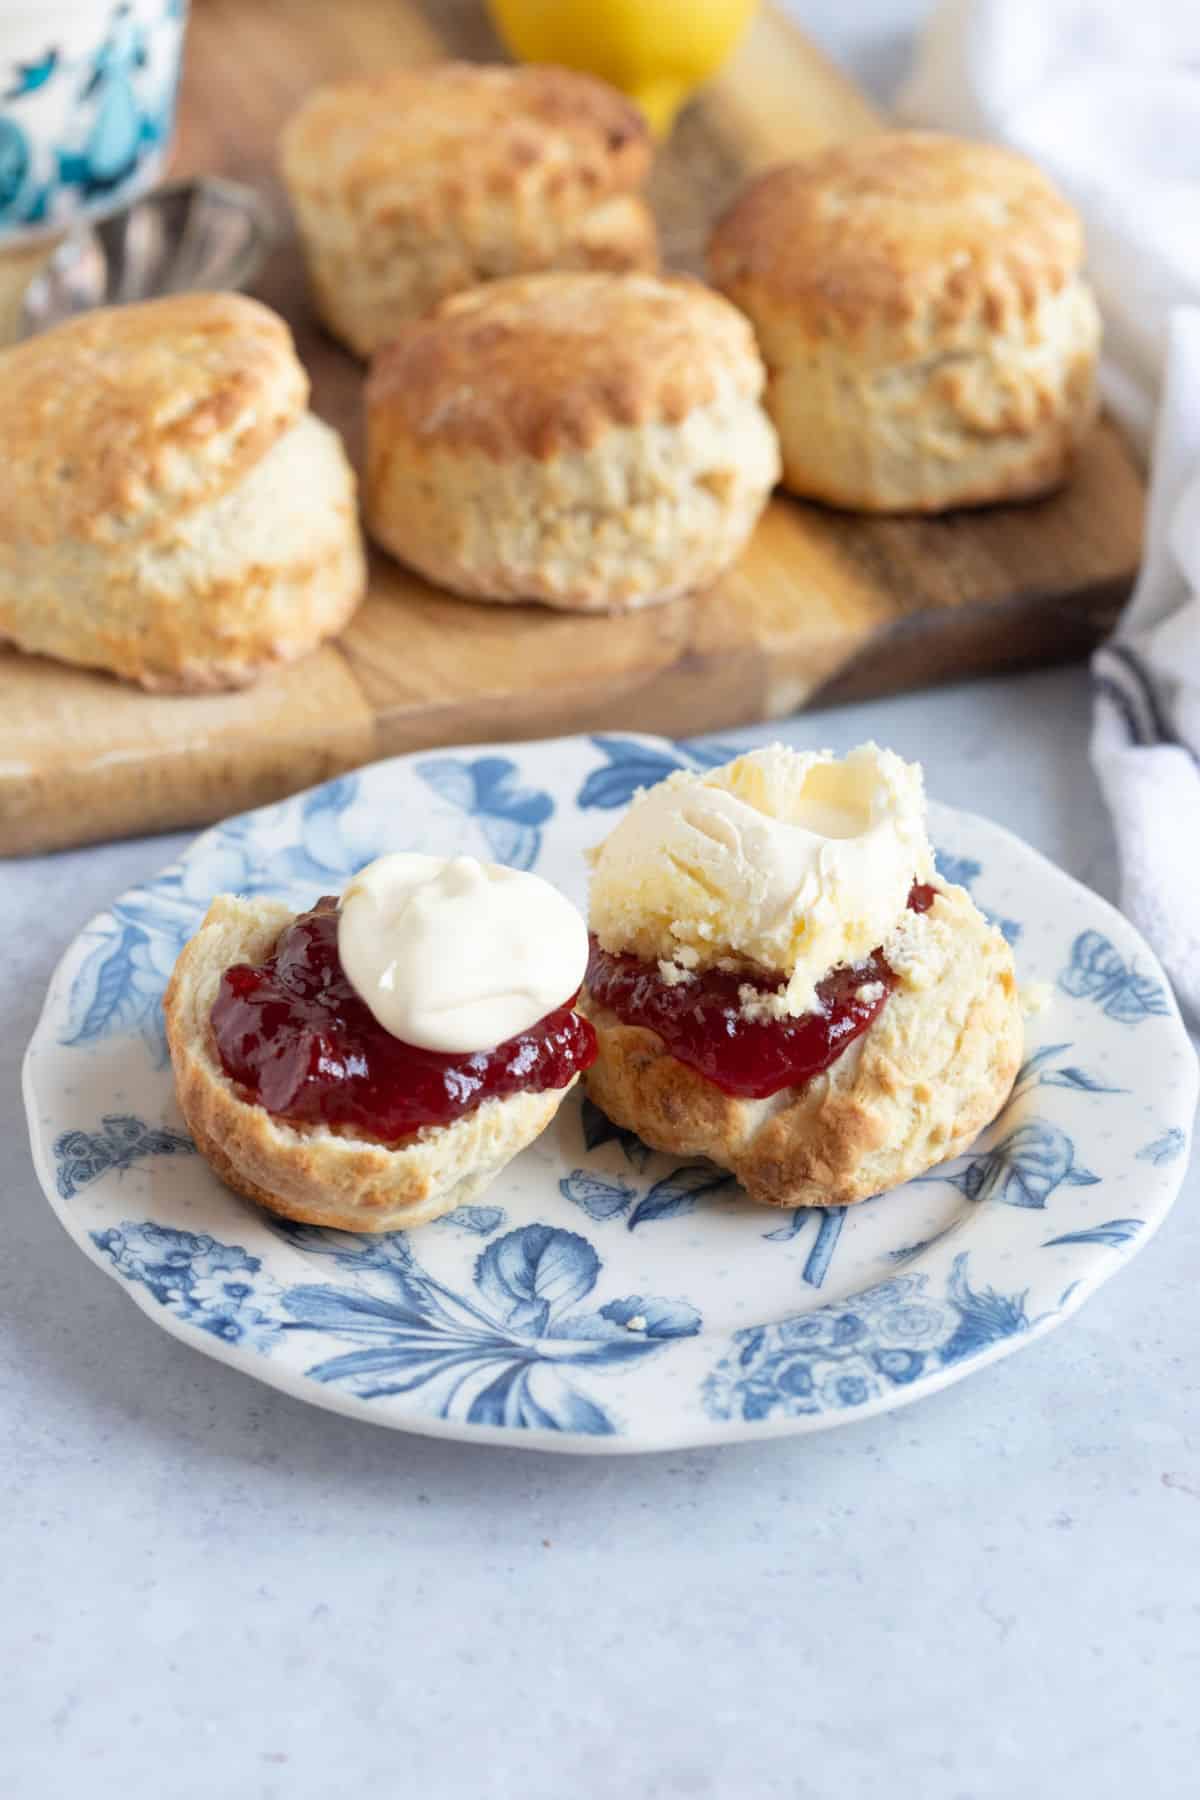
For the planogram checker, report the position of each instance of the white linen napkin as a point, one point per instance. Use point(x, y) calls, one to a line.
point(1105, 95)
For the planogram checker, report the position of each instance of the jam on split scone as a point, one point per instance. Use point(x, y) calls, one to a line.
point(375, 1062)
point(780, 981)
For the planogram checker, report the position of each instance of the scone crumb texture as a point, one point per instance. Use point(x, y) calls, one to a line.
point(784, 861)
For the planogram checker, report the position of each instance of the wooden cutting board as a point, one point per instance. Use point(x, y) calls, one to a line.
point(821, 607)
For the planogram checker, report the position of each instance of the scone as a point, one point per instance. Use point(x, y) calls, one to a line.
point(929, 336)
point(169, 510)
point(592, 441)
point(295, 1081)
point(422, 182)
point(779, 981)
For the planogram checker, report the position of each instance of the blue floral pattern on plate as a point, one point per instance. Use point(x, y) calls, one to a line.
point(1098, 972)
point(509, 1355)
point(480, 1221)
point(1042, 1069)
point(118, 987)
point(674, 1194)
point(217, 1288)
point(601, 1294)
point(633, 763)
point(488, 789)
point(844, 1356)
point(1165, 1149)
point(1113, 1232)
point(964, 871)
point(121, 1141)
point(1023, 1169)
point(830, 1220)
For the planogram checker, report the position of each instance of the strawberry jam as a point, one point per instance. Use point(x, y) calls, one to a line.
point(701, 1022)
point(293, 1033)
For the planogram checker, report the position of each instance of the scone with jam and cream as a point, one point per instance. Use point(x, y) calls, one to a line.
point(376, 1062)
point(780, 981)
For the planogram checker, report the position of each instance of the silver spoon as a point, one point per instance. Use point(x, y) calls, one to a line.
point(185, 236)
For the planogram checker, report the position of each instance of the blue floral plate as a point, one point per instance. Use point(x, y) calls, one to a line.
point(604, 1297)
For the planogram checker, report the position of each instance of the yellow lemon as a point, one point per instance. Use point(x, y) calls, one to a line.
point(656, 51)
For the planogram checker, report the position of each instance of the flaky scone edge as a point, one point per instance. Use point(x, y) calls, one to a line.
point(312, 1173)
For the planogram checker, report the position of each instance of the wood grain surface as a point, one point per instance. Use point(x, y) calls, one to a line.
point(822, 606)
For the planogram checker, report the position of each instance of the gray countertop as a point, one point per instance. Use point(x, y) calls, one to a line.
point(208, 1589)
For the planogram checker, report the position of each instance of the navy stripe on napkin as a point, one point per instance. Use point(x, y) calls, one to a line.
point(1123, 678)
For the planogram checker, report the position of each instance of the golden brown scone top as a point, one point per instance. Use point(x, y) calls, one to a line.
point(894, 226)
point(133, 411)
point(539, 365)
point(438, 136)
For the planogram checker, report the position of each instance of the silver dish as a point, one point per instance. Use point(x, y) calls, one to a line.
point(185, 236)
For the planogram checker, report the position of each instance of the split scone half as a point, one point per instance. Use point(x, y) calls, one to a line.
point(783, 914)
point(319, 1160)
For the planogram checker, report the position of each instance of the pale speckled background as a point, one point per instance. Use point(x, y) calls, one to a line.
point(211, 1592)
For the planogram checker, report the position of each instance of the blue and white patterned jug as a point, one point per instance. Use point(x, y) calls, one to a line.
point(87, 107)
